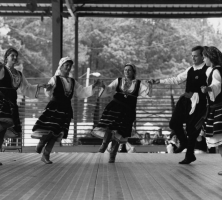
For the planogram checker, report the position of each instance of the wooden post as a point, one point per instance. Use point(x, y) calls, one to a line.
point(57, 29)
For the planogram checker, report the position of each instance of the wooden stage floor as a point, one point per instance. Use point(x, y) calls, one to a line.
point(88, 176)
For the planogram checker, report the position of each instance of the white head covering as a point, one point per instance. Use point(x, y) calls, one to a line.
point(61, 62)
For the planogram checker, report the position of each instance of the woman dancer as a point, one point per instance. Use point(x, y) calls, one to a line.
point(10, 80)
point(117, 119)
point(213, 123)
point(54, 122)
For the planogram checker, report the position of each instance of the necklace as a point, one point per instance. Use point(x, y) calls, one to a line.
point(126, 86)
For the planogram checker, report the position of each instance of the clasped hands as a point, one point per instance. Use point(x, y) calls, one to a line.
point(153, 81)
point(98, 83)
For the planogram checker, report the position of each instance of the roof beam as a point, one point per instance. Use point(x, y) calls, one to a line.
point(176, 2)
point(22, 8)
point(29, 14)
point(159, 15)
point(24, 1)
point(148, 9)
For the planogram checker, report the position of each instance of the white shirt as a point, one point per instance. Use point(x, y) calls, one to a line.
point(79, 90)
point(180, 78)
point(110, 90)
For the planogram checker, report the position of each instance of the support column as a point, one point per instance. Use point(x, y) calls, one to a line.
point(75, 114)
point(57, 29)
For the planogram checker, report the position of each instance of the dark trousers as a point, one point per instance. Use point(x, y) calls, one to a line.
point(181, 116)
point(2, 135)
point(47, 142)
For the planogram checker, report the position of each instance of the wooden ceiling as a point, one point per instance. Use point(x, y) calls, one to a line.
point(116, 8)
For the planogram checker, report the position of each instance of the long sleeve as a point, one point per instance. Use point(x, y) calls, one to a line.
point(83, 92)
point(52, 82)
point(145, 90)
point(215, 85)
point(110, 89)
point(176, 80)
point(27, 89)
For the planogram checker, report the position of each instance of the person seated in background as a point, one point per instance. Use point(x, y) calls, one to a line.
point(172, 144)
point(147, 139)
point(159, 138)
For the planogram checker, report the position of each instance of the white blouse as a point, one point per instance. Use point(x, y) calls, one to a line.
point(215, 84)
point(26, 88)
point(110, 90)
point(79, 91)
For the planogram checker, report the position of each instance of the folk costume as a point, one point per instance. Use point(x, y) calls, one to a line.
point(54, 122)
point(118, 116)
point(189, 108)
point(213, 123)
point(10, 81)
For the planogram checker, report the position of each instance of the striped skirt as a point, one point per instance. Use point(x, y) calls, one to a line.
point(213, 123)
point(56, 118)
point(213, 127)
point(118, 117)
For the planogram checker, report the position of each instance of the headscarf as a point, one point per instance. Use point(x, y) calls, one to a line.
point(214, 54)
point(8, 52)
point(61, 62)
point(133, 68)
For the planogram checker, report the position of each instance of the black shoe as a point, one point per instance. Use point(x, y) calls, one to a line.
point(188, 160)
point(220, 173)
point(46, 160)
point(180, 149)
point(0, 163)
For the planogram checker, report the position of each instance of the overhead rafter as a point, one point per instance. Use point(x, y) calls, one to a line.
point(118, 8)
point(20, 8)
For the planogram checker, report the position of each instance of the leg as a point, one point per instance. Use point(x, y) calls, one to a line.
point(40, 145)
point(2, 134)
point(190, 157)
point(47, 150)
point(106, 140)
point(176, 123)
point(220, 151)
point(113, 152)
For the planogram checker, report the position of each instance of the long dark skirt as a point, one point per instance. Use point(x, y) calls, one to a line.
point(56, 118)
point(9, 117)
point(118, 117)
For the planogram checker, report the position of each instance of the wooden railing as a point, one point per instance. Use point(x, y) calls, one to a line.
point(153, 114)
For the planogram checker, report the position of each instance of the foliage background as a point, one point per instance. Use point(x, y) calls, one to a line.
point(159, 47)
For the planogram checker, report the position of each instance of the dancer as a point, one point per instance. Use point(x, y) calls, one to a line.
point(54, 122)
point(213, 123)
point(11, 80)
point(118, 116)
point(191, 105)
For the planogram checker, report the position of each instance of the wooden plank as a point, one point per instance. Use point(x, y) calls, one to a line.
point(85, 176)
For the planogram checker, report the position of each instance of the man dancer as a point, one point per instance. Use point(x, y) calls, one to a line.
point(188, 110)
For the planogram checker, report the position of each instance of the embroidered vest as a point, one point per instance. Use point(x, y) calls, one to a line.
point(196, 79)
point(128, 99)
point(60, 93)
point(7, 87)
